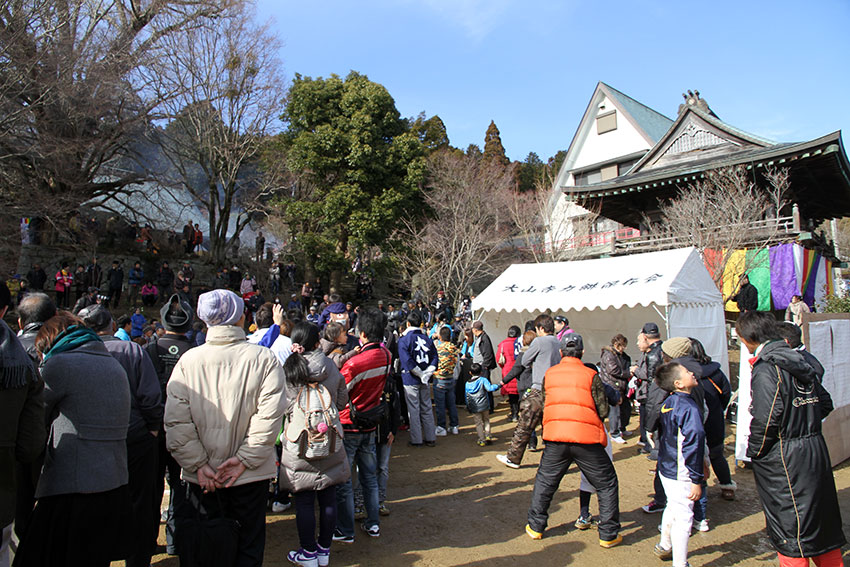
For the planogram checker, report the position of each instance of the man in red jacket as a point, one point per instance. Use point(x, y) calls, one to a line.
point(365, 376)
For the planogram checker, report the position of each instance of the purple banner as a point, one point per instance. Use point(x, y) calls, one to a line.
point(783, 276)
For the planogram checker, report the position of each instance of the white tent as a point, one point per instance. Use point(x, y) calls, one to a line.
point(606, 296)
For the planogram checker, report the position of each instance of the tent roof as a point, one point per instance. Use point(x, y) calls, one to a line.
point(663, 278)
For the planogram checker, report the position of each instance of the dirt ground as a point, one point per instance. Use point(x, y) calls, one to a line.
point(455, 505)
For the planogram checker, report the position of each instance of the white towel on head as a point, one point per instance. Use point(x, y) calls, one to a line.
point(220, 307)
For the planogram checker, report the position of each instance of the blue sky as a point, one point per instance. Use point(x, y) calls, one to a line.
point(778, 69)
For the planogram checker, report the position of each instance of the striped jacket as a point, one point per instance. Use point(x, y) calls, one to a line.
point(365, 376)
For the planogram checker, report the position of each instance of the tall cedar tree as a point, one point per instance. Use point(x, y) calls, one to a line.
point(493, 148)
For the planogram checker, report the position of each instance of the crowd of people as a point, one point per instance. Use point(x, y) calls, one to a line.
point(245, 406)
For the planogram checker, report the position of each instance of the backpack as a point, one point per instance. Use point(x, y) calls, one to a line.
point(313, 430)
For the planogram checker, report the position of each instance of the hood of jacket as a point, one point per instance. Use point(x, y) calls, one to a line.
point(779, 353)
point(710, 369)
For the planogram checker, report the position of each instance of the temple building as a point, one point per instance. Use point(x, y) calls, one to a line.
point(625, 159)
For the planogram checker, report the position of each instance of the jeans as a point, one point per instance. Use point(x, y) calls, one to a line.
point(593, 461)
point(444, 399)
point(166, 465)
point(421, 415)
point(383, 451)
point(701, 505)
point(360, 448)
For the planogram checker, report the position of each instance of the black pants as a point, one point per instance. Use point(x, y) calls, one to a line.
point(142, 466)
point(305, 517)
point(593, 461)
point(660, 495)
point(165, 465)
point(642, 417)
point(245, 503)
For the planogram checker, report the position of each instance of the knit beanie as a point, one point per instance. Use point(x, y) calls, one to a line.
point(676, 347)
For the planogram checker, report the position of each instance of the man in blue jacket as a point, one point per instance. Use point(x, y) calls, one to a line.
point(417, 356)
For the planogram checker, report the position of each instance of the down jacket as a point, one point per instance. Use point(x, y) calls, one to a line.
point(298, 474)
point(790, 459)
point(225, 399)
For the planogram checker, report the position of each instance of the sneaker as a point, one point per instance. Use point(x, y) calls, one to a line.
point(359, 514)
point(440, 432)
point(383, 510)
point(653, 507)
point(430, 443)
point(662, 553)
point(374, 531)
point(323, 555)
point(482, 443)
point(609, 543)
point(701, 525)
point(303, 558)
point(617, 439)
point(278, 507)
point(342, 538)
point(490, 438)
point(533, 534)
point(506, 461)
point(641, 443)
point(409, 444)
point(627, 434)
point(454, 430)
point(585, 522)
point(727, 493)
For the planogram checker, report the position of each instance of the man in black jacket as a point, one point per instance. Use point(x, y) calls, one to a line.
point(33, 311)
point(146, 410)
point(649, 344)
point(747, 297)
point(484, 354)
point(790, 459)
point(177, 318)
point(115, 281)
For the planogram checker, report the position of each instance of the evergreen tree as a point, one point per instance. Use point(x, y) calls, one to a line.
point(493, 148)
point(555, 162)
point(472, 150)
point(529, 172)
point(431, 132)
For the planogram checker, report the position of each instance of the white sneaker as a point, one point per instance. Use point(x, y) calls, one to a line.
point(701, 526)
point(454, 430)
point(618, 439)
point(506, 461)
point(440, 432)
point(278, 507)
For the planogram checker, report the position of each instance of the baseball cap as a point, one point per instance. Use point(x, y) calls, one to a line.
point(573, 340)
point(651, 330)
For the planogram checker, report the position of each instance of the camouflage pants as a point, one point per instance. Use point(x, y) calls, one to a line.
point(530, 416)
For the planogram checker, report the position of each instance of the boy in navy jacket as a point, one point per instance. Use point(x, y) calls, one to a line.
point(681, 457)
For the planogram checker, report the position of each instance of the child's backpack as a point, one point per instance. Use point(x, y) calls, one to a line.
point(477, 401)
point(313, 430)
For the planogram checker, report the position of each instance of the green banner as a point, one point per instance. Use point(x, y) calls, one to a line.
point(758, 270)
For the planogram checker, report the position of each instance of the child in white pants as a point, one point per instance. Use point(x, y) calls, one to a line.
point(681, 455)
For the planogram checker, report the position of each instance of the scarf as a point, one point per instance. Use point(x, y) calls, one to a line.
point(69, 339)
point(15, 364)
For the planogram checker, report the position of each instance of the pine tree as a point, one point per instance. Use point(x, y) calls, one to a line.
point(493, 148)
